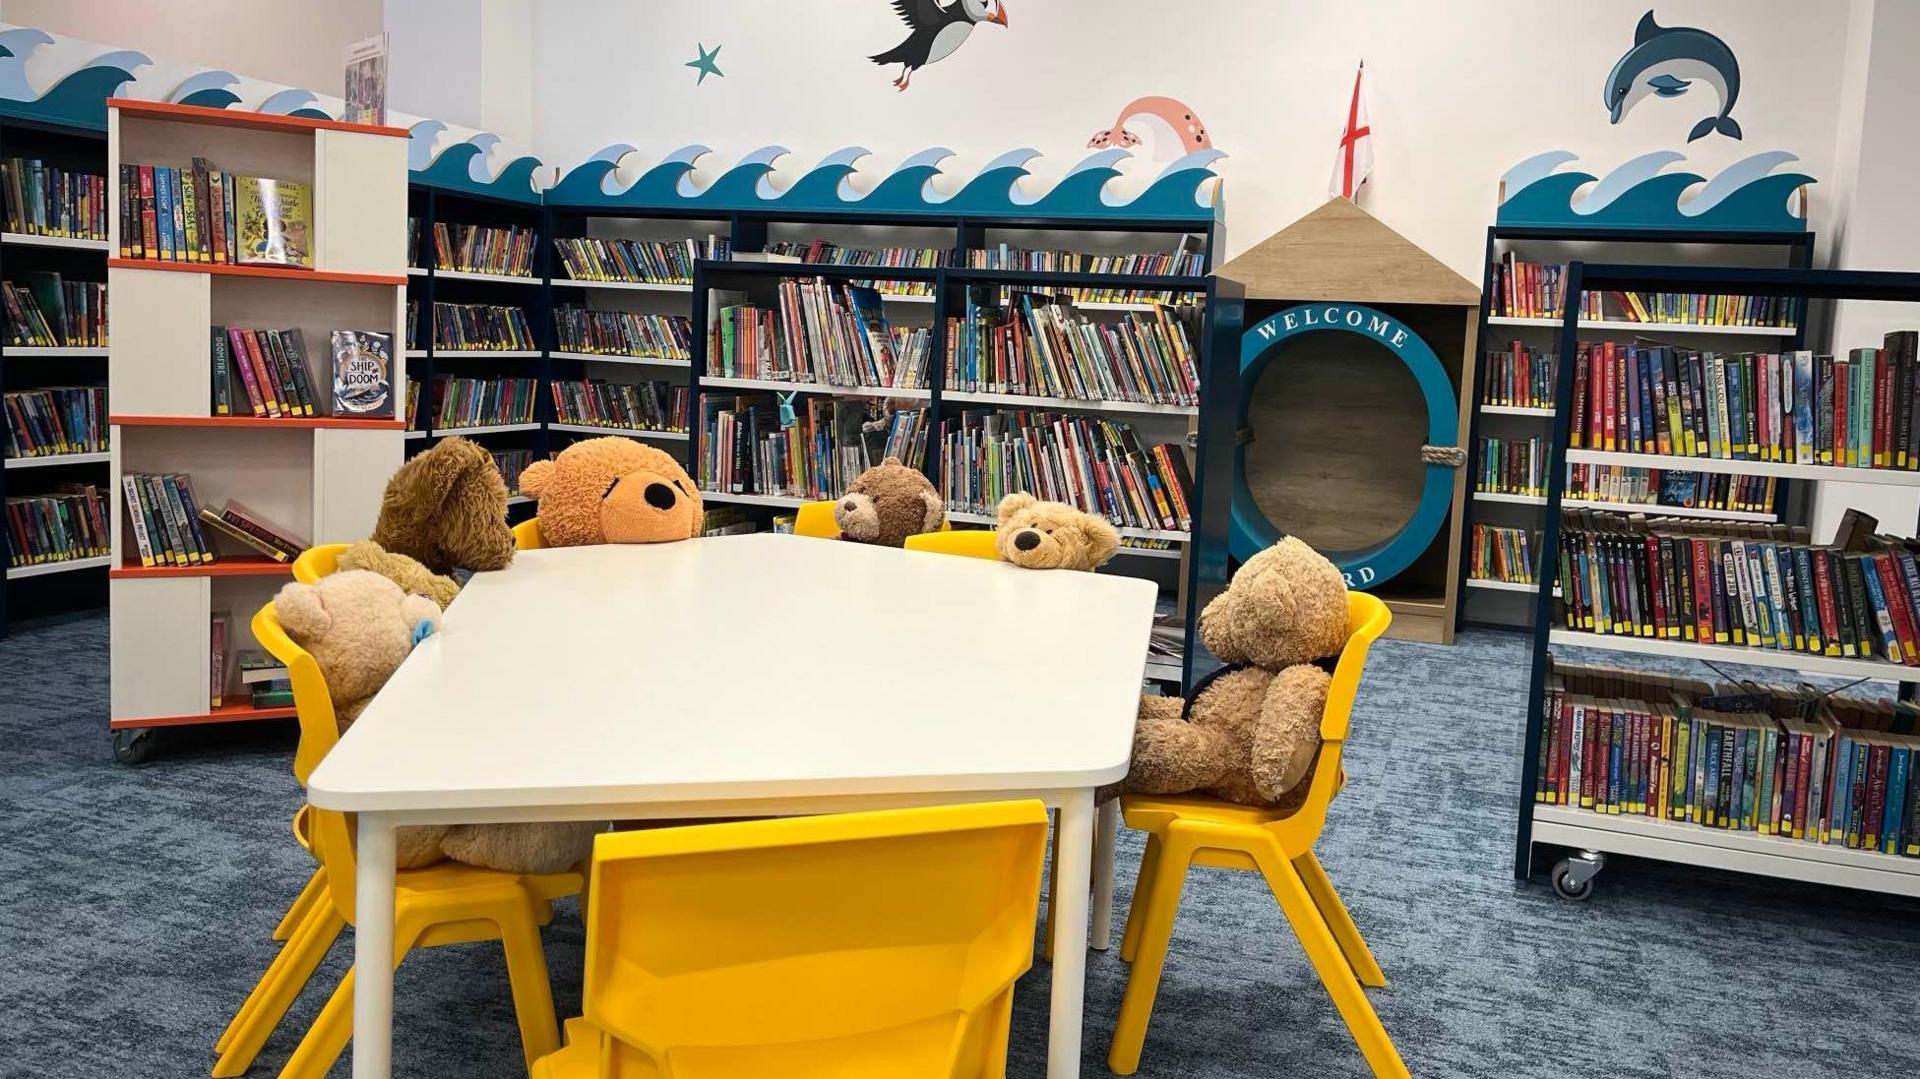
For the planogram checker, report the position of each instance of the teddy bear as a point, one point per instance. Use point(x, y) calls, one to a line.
point(613, 490)
point(887, 503)
point(359, 627)
point(410, 575)
point(1051, 535)
point(447, 509)
point(1249, 732)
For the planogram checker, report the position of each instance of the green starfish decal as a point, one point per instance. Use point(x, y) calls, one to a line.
point(705, 65)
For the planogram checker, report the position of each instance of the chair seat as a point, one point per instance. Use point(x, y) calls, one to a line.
point(437, 881)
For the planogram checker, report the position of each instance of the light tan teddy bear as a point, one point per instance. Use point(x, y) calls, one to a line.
point(1252, 729)
point(886, 504)
point(1052, 535)
point(359, 627)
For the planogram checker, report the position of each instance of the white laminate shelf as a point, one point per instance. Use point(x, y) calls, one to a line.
point(486, 429)
point(1622, 325)
point(493, 278)
point(1733, 653)
point(29, 239)
point(66, 566)
point(776, 501)
point(630, 432)
point(410, 435)
point(770, 385)
point(1652, 509)
point(52, 459)
point(416, 271)
point(1885, 476)
point(641, 361)
point(1491, 585)
point(1515, 410)
point(57, 352)
point(961, 517)
point(1069, 403)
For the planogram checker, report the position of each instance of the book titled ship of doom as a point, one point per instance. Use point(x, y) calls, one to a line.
point(362, 373)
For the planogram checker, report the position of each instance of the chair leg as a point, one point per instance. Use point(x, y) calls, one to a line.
point(1142, 898)
point(532, 990)
point(1053, 887)
point(1143, 982)
point(302, 903)
point(278, 989)
point(1324, 952)
point(327, 1038)
point(1106, 830)
point(1334, 913)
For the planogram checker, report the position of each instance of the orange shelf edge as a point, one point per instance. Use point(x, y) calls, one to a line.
point(241, 118)
point(225, 567)
point(231, 713)
point(290, 423)
point(284, 273)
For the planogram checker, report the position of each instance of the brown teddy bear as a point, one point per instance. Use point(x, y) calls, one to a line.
point(887, 503)
point(447, 509)
point(1250, 731)
point(410, 575)
point(1052, 535)
point(613, 490)
point(359, 627)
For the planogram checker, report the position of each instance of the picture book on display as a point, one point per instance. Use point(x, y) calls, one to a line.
point(67, 523)
point(1098, 465)
point(203, 214)
point(362, 373)
point(43, 199)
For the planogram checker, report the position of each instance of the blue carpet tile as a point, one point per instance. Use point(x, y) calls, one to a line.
point(136, 903)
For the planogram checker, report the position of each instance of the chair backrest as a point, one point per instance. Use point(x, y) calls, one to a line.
point(971, 543)
point(526, 535)
point(814, 520)
point(317, 561)
point(881, 943)
point(1367, 619)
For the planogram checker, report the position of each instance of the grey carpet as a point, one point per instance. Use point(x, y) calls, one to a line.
point(135, 905)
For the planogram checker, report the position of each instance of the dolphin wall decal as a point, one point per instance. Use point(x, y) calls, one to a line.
point(1665, 61)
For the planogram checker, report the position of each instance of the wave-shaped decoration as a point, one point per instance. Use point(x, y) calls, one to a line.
point(462, 166)
point(1746, 196)
point(294, 102)
point(206, 89)
point(79, 99)
point(1177, 194)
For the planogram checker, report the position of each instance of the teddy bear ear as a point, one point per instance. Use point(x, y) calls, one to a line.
point(1011, 505)
point(1102, 539)
point(936, 511)
point(895, 461)
point(535, 477)
point(301, 610)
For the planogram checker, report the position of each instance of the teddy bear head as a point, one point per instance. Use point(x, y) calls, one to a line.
point(886, 504)
point(358, 626)
point(1052, 535)
point(613, 490)
point(447, 508)
point(1287, 605)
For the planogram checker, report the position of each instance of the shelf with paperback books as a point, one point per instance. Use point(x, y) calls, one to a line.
point(44, 201)
point(1024, 344)
point(1098, 465)
point(471, 403)
point(1502, 555)
point(1862, 607)
point(481, 252)
point(46, 310)
point(651, 407)
point(747, 447)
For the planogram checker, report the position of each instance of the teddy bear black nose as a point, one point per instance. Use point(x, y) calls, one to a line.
point(849, 505)
point(659, 496)
point(1027, 540)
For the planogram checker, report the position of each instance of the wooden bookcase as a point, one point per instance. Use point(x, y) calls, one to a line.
point(320, 478)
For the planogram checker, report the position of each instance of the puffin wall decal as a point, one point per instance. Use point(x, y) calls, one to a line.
point(937, 31)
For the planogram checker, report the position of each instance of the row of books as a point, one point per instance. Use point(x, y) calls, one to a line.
point(655, 262)
point(1666, 488)
point(480, 327)
point(171, 528)
point(482, 402)
point(46, 310)
point(636, 406)
point(1796, 407)
point(832, 254)
point(270, 369)
point(1036, 345)
point(264, 680)
point(413, 404)
point(68, 523)
point(818, 332)
point(1512, 466)
point(203, 214)
point(622, 333)
point(1184, 262)
point(511, 463)
point(54, 420)
point(1502, 554)
point(1786, 761)
point(1097, 465)
point(483, 249)
point(749, 447)
point(47, 200)
point(1759, 586)
point(1524, 289)
point(1519, 377)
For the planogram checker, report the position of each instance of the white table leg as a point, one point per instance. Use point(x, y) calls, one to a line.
point(1070, 935)
point(1106, 828)
point(373, 950)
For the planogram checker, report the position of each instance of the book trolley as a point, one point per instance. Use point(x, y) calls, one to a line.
point(319, 477)
point(1591, 836)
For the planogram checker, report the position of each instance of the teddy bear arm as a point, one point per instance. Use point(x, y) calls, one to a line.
point(418, 845)
point(1287, 733)
point(1160, 707)
point(1171, 756)
point(522, 848)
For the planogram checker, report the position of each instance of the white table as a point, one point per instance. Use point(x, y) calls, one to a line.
point(746, 676)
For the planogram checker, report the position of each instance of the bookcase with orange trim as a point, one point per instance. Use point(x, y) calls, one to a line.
point(311, 475)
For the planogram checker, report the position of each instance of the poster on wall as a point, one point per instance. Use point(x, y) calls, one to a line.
point(366, 91)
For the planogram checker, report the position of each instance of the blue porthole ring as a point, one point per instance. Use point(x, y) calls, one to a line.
point(1375, 564)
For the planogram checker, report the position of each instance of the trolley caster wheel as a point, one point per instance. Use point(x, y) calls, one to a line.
point(133, 746)
point(1573, 876)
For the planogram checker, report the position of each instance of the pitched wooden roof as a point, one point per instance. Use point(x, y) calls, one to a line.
point(1341, 252)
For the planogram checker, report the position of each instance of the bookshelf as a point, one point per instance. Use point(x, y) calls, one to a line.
point(1541, 244)
point(78, 580)
point(318, 478)
point(1592, 835)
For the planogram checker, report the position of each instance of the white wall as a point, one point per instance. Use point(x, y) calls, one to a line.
point(434, 69)
point(1458, 91)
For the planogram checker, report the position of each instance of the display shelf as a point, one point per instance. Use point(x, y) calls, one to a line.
point(1836, 473)
point(960, 517)
point(638, 361)
point(685, 287)
point(1733, 653)
point(56, 352)
point(71, 243)
point(233, 713)
point(282, 273)
point(486, 429)
point(491, 278)
point(1515, 410)
point(1070, 404)
point(241, 566)
point(631, 432)
point(1491, 585)
point(771, 386)
point(69, 565)
point(291, 423)
point(53, 460)
point(1654, 328)
point(486, 354)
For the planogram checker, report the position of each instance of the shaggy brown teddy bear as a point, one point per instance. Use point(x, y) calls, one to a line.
point(887, 503)
point(410, 575)
point(1251, 730)
point(447, 510)
point(1052, 535)
point(359, 627)
point(612, 490)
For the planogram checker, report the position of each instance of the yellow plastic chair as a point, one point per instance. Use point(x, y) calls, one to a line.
point(526, 536)
point(875, 944)
point(317, 561)
point(970, 543)
point(441, 904)
point(1278, 844)
point(814, 520)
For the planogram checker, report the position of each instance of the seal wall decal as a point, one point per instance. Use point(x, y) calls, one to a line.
point(1666, 61)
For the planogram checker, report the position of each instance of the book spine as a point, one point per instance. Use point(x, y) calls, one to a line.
point(137, 519)
point(222, 373)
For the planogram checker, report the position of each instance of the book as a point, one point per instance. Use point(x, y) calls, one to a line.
point(362, 373)
point(365, 99)
point(276, 222)
point(257, 666)
point(217, 657)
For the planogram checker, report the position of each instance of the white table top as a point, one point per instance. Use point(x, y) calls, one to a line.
point(751, 667)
